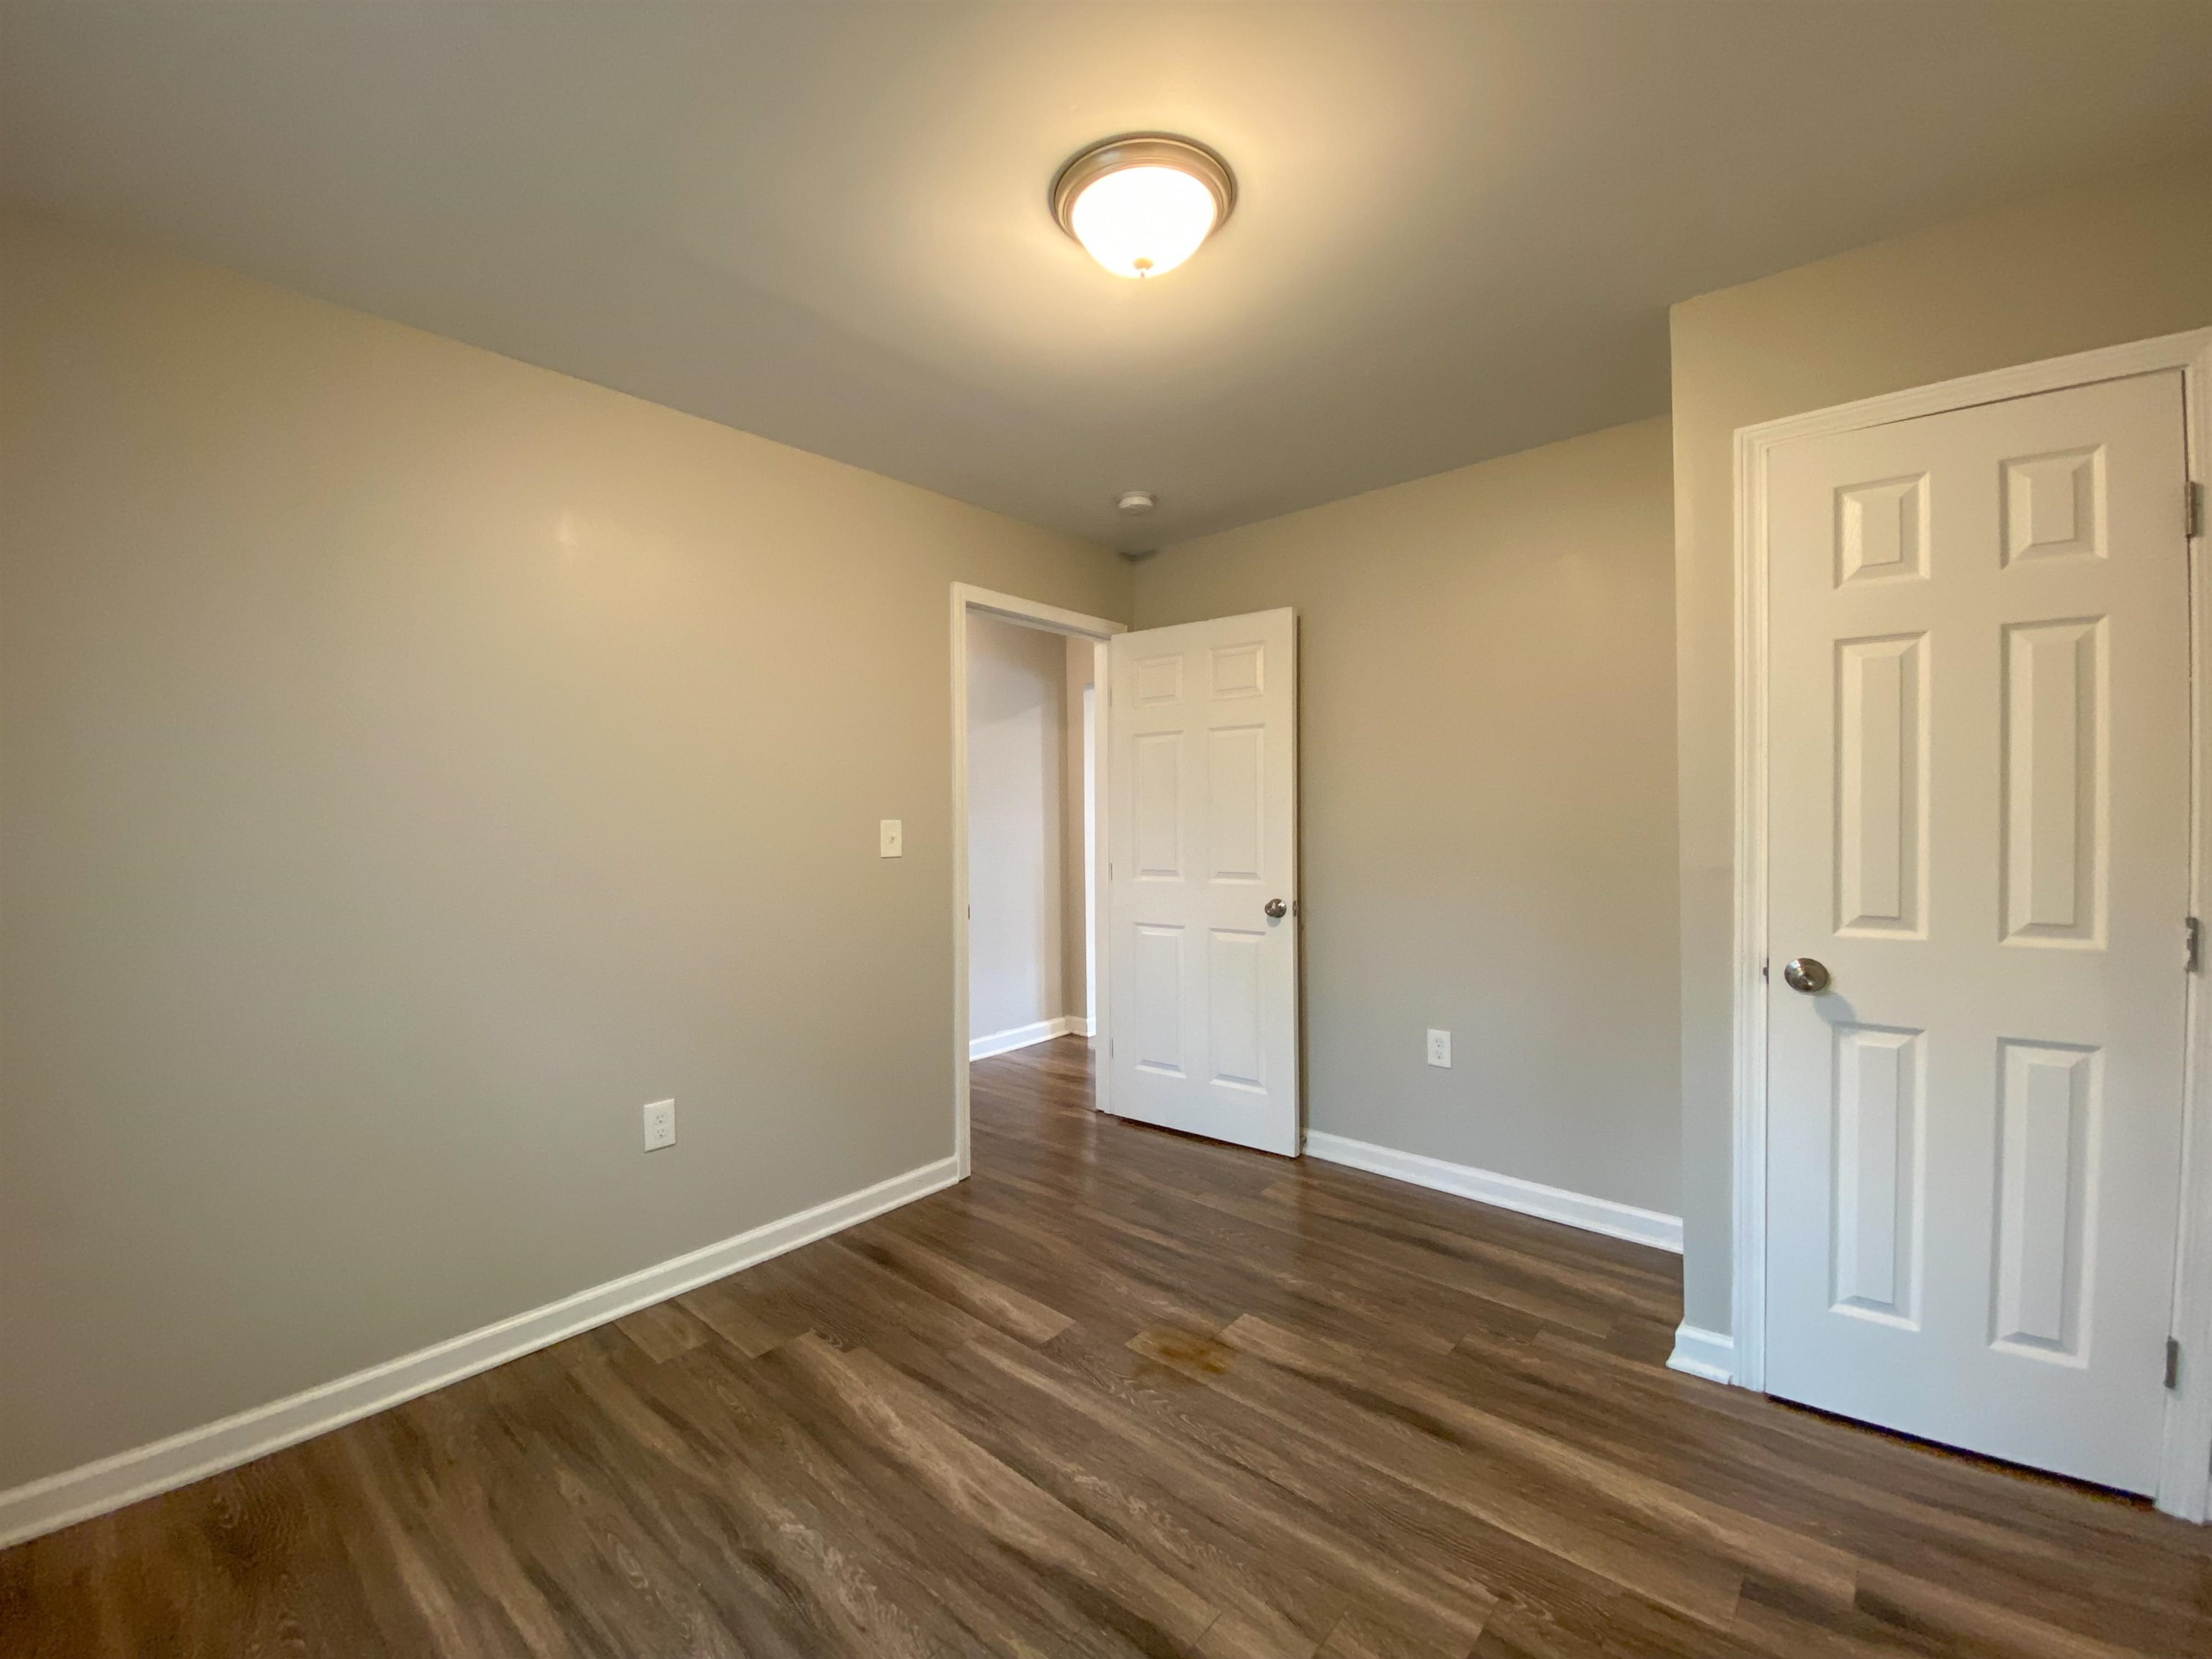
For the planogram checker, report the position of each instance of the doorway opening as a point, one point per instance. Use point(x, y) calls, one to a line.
point(1190, 959)
point(1029, 844)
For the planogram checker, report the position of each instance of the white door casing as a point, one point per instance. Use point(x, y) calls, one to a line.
point(1977, 817)
point(1201, 829)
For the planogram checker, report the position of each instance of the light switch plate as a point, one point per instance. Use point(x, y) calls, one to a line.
point(1440, 1048)
point(660, 1125)
point(891, 838)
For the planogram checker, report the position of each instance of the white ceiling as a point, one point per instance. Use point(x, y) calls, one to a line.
point(1459, 230)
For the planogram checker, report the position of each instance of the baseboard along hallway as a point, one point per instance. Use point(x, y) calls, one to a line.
point(1125, 1393)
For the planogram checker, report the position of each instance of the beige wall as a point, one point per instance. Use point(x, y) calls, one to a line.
point(1018, 870)
point(2128, 259)
point(1486, 750)
point(411, 763)
point(1077, 853)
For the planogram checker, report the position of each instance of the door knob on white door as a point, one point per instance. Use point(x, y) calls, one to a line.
point(1277, 909)
point(1806, 974)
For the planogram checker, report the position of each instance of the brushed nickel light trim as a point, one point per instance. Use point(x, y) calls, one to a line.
point(1142, 149)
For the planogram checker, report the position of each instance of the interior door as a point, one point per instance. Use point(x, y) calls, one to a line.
point(1978, 822)
point(1201, 832)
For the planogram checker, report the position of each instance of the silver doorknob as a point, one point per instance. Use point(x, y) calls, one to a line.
point(1805, 974)
point(1278, 909)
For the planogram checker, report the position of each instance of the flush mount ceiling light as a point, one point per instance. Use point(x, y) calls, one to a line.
point(1142, 203)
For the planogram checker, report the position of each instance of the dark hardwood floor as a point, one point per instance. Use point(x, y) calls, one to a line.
point(1125, 1393)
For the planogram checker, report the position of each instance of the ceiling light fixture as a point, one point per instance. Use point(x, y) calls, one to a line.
point(1136, 500)
point(1142, 203)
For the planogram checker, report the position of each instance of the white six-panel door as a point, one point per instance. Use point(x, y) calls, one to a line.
point(1978, 822)
point(1201, 834)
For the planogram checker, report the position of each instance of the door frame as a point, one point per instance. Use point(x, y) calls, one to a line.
point(1051, 619)
point(2185, 1467)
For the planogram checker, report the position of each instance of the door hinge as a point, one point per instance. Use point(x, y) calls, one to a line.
point(2192, 944)
point(2192, 510)
point(2172, 1362)
point(1762, 967)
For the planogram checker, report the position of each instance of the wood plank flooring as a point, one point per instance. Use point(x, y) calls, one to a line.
point(1125, 1393)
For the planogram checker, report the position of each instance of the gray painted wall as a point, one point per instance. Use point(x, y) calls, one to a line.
point(411, 763)
point(1077, 812)
point(1487, 779)
point(1018, 869)
point(2127, 258)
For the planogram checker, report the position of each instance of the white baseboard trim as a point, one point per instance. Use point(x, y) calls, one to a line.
point(59, 1500)
point(1596, 1215)
point(1024, 1036)
point(1703, 1353)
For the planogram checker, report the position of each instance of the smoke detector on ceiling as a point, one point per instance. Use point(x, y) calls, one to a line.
point(1137, 500)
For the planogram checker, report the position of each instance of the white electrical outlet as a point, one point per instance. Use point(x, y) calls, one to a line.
point(890, 837)
point(1440, 1048)
point(660, 1125)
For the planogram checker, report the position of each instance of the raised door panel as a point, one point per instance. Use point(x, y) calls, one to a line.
point(1238, 671)
point(1881, 785)
point(1881, 530)
point(1157, 1044)
point(2047, 1133)
point(1236, 796)
point(1876, 1164)
point(2056, 795)
point(2054, 506)
point(1157, 805)
point(1235, 1008)
point(1158, 681)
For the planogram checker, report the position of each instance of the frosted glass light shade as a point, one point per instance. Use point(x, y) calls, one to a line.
point(1143, 204)
point(1143, 221)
